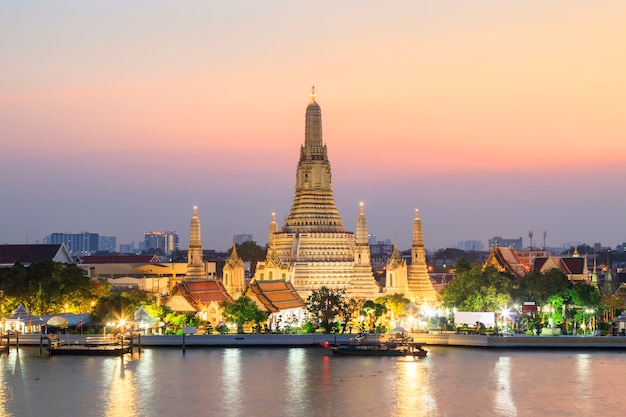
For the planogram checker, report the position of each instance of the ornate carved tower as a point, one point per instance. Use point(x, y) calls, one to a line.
point(313, 249)
point(420, 287)
point(195, 263)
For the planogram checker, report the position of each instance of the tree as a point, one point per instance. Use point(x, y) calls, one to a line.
point(583, 295)
point(326, 304)
point(478, 290)
point(350, 307)
point(48, 287)
point(538, 287)
point(243, 310)
point(396, 303)
point(373, 311)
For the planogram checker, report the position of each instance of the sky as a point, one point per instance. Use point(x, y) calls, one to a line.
point(492, 118)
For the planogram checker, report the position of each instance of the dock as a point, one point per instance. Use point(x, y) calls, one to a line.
point(91, 346)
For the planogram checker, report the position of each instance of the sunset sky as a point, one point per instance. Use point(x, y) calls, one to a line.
point(491, 117)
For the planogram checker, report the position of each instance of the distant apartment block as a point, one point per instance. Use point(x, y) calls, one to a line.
point(164, 241)
point(505, 243)
point(470, 245)
point(107, 244)
point(242, 238)
point(380, 254)
point(128, 248)
point(83, 243)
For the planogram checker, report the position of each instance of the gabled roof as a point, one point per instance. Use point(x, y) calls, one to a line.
point(276, 295)
point(29, 254)
point(119, 259)
point(201, 293)
point(568, 265)
point(506, 260)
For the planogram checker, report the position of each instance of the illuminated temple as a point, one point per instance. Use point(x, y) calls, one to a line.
point(313, 249)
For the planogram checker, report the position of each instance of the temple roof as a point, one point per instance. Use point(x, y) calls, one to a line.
point(28, 254)
point(276, 295)
point(200, 293)
point(506, 260)
point(119, 259)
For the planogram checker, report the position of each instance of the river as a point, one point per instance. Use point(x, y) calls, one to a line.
point(306, 382)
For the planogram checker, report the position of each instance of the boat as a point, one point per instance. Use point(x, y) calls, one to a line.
point(402, 348)
point(93, 346)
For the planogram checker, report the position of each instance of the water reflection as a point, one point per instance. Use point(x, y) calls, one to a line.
point(584, 382)
point(504, 403)
point(122, 389)
point(414, 394)
point(231, 381)
point(296, 369)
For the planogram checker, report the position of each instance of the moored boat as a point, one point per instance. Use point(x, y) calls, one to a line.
point(381, 349)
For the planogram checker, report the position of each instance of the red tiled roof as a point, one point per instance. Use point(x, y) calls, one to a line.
point(27, 254)
point(276, 295)
point(118, 259)
point(204, 292)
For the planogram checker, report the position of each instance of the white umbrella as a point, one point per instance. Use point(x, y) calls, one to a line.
point(57, 321)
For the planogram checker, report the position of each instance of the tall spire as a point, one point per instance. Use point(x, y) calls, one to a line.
point(418, 253)
point(313, 208)
point(361, 227)
point(362, 248)
point(195, 264)
point(273, 230)
point(313, 125)
point(420, 286)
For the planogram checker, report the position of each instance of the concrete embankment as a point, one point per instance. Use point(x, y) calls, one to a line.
point(228, 340)
point(310, 340)
point(522, 341)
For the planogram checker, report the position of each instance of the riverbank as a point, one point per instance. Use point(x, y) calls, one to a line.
point(317, 339)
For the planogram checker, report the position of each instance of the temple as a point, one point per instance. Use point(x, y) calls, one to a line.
point(313, 249)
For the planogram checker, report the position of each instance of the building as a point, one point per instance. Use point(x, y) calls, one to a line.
point(242, 238)
point(83, 243)
point(167, 242)
point(502, 242)
point(107, 244)
point(314, 249)
point(470, 245)
point(30, 254)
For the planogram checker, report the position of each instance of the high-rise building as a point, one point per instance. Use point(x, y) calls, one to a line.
point(505, 243)
point(242, 238)
point(83, 243)
point(107, 244)
point(128, 247)
point(164, 241)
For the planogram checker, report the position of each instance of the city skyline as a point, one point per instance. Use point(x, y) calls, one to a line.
point(492, 119)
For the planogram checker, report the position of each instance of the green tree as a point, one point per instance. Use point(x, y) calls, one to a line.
point(351, 306)
point(538, 287)
point(373, 311)
point(326, 304)
point(478, 290)
point(396, 303)
point(243, 310)
point(48, 287)
point(583, 295)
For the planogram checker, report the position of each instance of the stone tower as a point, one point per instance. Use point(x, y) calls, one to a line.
point(313, 249)
point(233, 274)
point(396, 274)
point(420, 287)
point(195, 263)
point(363, 282)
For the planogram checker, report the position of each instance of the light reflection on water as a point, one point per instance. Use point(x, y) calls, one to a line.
point(310, 382)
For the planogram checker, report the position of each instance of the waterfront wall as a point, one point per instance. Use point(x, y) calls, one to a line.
point(317, 339)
